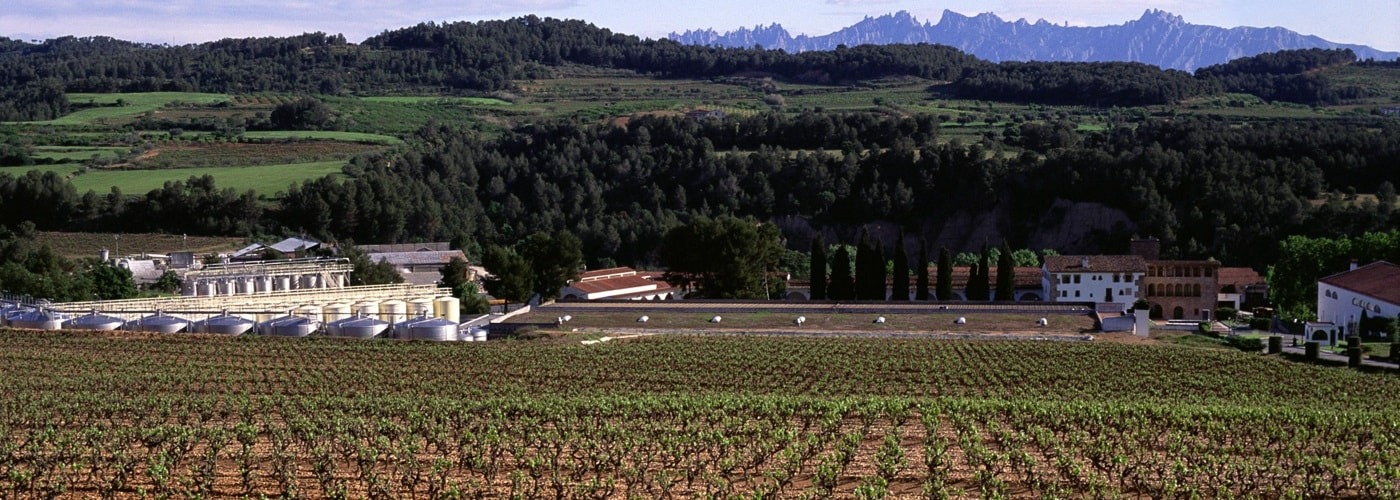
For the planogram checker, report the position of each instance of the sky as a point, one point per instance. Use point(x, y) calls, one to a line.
point(1368, 22)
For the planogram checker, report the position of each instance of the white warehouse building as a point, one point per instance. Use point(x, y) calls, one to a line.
point(1342, 298)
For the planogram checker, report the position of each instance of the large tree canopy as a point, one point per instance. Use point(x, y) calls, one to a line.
point(729, 257)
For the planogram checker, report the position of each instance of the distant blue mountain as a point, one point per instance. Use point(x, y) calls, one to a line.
point(1159, 38)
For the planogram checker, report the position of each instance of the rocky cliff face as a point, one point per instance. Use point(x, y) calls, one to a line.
point(1159, 38)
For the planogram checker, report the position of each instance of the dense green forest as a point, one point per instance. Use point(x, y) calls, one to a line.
point(1204, 187)
point(1230, 188)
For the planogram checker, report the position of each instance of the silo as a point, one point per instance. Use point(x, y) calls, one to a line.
point(310, 311)
point(434, 329)
point(158, 323)
point(336, 312)
point(393, 311)
point(38, 319)
point(420, 308)
point(448, 308)
point(230, 287)
point(211, 288)
point(94, 321)
point(284, 283)
point(367, 308)
point(359, 327)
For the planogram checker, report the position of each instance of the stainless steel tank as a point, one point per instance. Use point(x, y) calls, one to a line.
point(94, 321)
point(225, 324)
point(158, 323)
point(359, 327)
point(434, 329)
point(289, 326)
point(38, 319)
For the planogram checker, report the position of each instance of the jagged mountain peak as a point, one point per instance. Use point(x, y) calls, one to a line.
point(1158, 37)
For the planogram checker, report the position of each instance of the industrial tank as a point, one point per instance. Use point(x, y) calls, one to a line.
point(448, 308)
point(225, 324)
point(367, 308)
point(94, 321)
point(38, 319)
point(359, 327)
point(8, 309)
point(420, 308)
point(434, 329)
point(289, 326)
point(311, 312)
point(336, 312)
point(158, 323)
point(393, 311)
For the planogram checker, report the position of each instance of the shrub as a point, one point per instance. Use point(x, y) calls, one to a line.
point(1246, 344)
point(1225, 313)
point(1263, 324)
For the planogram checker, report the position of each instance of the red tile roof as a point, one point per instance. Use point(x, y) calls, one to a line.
point(604, 273)
point(1097, 264)
point(1378, 279)
point(1237, 278)
point(619, 283)
point(1026, 277)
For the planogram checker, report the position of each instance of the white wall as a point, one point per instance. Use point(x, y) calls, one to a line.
point(1343, 307)
point(1091, 287)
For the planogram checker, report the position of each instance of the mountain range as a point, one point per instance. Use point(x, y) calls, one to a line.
point(1158, 37)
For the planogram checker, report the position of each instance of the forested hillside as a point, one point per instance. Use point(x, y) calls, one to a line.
point(1014, 149)
point(489, 56)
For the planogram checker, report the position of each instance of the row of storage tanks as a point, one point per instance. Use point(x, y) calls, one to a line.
point(418, 319)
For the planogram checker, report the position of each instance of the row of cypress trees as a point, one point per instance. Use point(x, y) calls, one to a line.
point(834, 279)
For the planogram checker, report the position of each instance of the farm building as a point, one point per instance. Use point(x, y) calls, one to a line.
point(1093, 278)
point(290, 248)
point(420, 265)
point(622, 283)
point(1345, 299)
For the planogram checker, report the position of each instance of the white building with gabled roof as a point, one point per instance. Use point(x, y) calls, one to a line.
point(1372, 289)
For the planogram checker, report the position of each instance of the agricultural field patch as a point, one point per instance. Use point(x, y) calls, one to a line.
point(77, 154)
point(672, 416)
point(266, 180)
point(79, 245)
point(101, 108)
point(329, 135)
point(246, 154)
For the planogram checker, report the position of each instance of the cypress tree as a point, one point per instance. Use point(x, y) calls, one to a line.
point(862, 271)
point(1006, 275)
point(921, 278)
point(841, 286)
point(970, 290)
point(818, 266)
point(984, 285)
point(900, 288)
point(877, 272)
point(944, 286)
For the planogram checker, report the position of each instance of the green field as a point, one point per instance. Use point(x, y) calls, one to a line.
point(134, 105)
point(471, 101)
point(74, 154)
point(324, 135)
point(266, 180)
